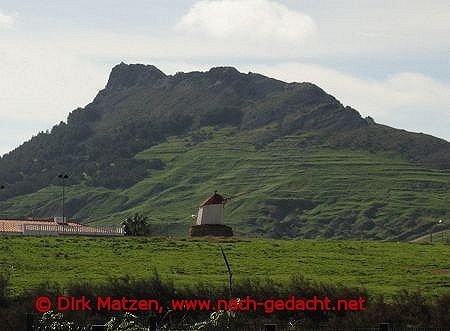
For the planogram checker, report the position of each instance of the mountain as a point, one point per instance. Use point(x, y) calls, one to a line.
point(301, 163)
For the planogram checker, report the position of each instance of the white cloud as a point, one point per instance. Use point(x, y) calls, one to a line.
point(40, 85)
point(267, 30)
point(375, 28)
point(6, 21)
point(258, 21)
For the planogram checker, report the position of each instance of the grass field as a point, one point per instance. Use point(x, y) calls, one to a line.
point(382, 268)
point(285, 189)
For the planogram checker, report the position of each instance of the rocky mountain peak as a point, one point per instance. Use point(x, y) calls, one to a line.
point(130, 75)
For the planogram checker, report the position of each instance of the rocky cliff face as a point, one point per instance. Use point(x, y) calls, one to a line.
point(134, 75)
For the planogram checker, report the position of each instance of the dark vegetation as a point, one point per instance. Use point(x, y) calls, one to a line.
point(407, 308)
point(136, 226)
point(141, 107)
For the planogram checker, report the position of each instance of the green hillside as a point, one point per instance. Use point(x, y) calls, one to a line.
point(297, 162)
point(284, 188)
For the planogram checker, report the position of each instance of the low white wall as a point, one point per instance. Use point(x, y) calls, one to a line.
point(37, 229)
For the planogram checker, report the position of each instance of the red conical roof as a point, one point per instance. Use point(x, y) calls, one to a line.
point(215, 199)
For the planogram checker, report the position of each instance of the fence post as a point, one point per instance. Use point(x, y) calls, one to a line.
point(384, 326)
point(29, 320)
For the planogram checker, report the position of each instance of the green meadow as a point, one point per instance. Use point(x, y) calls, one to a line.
point(383, 268)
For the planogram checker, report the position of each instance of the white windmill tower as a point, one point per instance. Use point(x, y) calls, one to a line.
point(211, 210)
point(210, 218)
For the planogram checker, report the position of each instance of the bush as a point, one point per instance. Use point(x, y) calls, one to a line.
point(136, 226)
point(407, 309)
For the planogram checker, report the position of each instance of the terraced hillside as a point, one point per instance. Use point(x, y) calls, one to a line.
point(280, 187)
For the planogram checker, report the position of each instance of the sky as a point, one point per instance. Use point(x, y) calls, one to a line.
point(388, 59)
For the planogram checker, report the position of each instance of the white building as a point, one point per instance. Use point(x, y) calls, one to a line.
point(211, 210)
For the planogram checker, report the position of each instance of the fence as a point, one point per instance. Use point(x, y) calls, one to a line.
point(8, 228)
point(47, 229)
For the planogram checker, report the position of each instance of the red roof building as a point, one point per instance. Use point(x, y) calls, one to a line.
point(211, 210)
point(210, 220)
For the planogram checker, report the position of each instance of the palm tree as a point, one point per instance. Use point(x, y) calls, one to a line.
point(136, 225)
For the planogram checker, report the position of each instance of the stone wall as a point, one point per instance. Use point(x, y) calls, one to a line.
point(215, 230)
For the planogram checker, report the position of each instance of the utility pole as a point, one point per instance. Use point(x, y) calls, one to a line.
point(2, 187)
point(230, 274)
point(440, 224)
point(63, 177)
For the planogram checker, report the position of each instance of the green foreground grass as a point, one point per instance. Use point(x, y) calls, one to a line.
point(381, 268)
